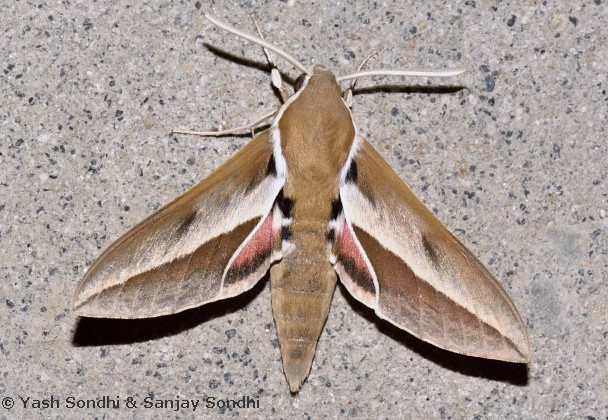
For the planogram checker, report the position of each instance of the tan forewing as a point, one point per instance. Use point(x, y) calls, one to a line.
point(396, 257)
point(212, 242)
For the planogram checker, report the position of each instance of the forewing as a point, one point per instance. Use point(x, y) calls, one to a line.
point(214, 241)
point(394, 255)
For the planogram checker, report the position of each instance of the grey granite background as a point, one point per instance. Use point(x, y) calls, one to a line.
point(511, 156)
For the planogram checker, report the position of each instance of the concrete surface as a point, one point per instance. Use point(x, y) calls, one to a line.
point(511, 156)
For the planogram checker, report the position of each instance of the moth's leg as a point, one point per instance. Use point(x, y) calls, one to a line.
point(276, 81)
point(348, 93)
point(260, 122)
point(275, 75)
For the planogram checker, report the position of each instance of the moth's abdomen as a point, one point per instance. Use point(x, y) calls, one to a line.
point(302, 288)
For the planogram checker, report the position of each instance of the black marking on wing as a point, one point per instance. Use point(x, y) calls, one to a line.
point(185, 223)
point(430, 251)
point(285, 204)
point(360, 277)
point(271, 169)
point(237, 273)
point(351, 174)
point(331, 236)
point(336, 209)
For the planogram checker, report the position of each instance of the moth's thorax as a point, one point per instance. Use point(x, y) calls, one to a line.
point(316, 129)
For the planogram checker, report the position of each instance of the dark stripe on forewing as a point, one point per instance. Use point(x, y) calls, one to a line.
point(431, 252)
point(271, 168)
point(185, 223)
point(352, 173)
point(336, 209)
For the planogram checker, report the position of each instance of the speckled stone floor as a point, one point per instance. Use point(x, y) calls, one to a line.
point(510, 155)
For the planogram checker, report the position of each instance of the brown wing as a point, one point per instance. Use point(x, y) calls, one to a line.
point(214, 241)
point(393, 255)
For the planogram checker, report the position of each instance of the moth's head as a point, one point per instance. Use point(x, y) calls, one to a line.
point(318, 76)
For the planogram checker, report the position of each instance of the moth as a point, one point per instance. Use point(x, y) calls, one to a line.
point(310, 201)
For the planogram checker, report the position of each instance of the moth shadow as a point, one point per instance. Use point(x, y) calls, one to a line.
point(104, 331)
point(409, 89)
point(513, 373)
point(242, 61)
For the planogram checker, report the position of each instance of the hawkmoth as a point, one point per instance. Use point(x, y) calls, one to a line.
point(310, 201)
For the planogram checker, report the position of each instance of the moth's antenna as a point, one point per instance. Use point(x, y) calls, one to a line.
point(363, 63)
point(413, 72)
point(268, 57)
point(348, 93)
point(275, 75)
point(259, 42)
